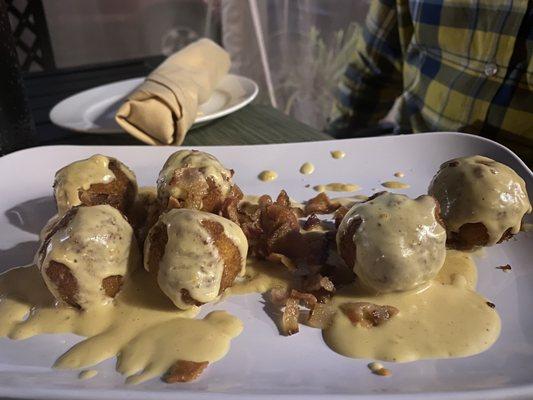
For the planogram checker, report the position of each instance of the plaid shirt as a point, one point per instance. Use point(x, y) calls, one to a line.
point(456, 65)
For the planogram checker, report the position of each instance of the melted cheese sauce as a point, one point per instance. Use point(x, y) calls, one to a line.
point(337, 154)
point(142, 327)
point(399, 243)
point(97, 243)
point(337, 187)
point(87, 374)
point(478, 189)
point(206, 164)
point(82, 174)
point(307, 168)
point(395, 185)
point(191, 260)
point(150, 334)
point(444, 319)
point(267, 175)
point(260, 277)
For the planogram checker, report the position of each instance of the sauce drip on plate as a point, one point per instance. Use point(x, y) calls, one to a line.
point(267, 175)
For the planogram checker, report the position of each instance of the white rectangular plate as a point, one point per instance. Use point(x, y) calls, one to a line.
point(262, 363)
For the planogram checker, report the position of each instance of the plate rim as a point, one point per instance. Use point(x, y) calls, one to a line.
point(56, 120)
point(406, 136)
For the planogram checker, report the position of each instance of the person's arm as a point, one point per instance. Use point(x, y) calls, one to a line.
point(373, 79)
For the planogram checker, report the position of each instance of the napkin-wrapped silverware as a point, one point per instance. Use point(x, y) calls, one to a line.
point(163, 108)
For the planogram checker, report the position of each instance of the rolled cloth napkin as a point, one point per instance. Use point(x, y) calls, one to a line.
point(164, 106)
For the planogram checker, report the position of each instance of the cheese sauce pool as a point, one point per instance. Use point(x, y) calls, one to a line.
point(444, 319)
point(142, 326)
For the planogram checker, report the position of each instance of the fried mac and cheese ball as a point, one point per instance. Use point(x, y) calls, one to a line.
point(194, 179)
point(392, 242)
point(195, 255)
point(482, 201)
point(87, 254)
point(96, 180)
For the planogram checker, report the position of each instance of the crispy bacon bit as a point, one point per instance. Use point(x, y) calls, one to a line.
point(316, 247)
point(280, 231)
point(320, 204)
point(491, 305)
point(321, 316)
point(185, 371)
point(286, 261)
point(229, 209)
point(378, 369)
point(317, 282)
point(312, 222)
point(504, 268)
point(339, 215)
point(289, 322)
point(264, 200)
point(308, 299)
point(283, 199)
point(273, 227)
point(319, 286)
point(382, 372)
point(368, 314)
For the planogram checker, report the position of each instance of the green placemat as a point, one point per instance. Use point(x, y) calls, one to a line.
point(254, 124)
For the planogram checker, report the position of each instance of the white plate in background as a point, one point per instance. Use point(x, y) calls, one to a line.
point(260, 363)
point(93, 110)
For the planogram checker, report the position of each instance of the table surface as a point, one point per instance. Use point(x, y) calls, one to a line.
point(254, 124)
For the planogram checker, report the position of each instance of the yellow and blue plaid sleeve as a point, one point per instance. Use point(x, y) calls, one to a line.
point(373, 79)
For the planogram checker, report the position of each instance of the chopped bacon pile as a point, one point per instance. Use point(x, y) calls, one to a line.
point(289, 321)
point(368, 314)
point(185, 371)
point(273, 231)
point(320, 204)
point(319, 314)
point(320, 286)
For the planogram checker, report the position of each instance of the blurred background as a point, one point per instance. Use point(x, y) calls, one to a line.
point(295, 49)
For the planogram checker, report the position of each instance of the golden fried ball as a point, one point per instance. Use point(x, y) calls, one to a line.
point(195, 255)
point(87, 254)
point(392, 242)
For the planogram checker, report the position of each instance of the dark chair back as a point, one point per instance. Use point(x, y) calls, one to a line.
point(30, 31)
point(16, 123)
